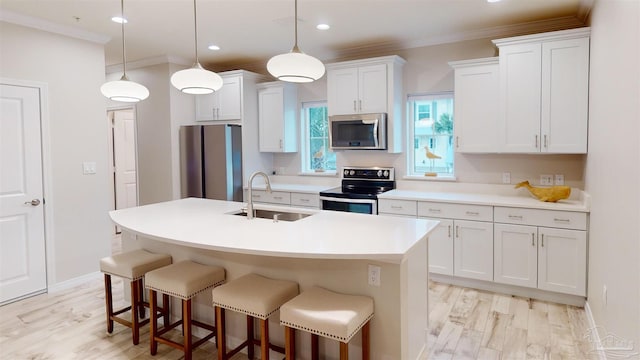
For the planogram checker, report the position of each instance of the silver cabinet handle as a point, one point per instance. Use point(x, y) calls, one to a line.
point(542, 236)
point(457, 141)
point(533, 239)
point(255, 196)
point(304, 200)
point(449, 230)
point(435, 210)
point(515, 217)
point(280, 143)
point(278, 197)
point(396, 207)
point(562, 220)
point(545, 141)
point(354, 105)
point(457, 231)
point(536, 141)
point(474, 213)
point(34, 202)
point(360, 105)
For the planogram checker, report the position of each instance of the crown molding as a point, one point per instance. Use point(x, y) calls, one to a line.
point(48, 26)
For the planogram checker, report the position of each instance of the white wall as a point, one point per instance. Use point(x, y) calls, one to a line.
point(613, 169)
point(427, 71)
point(74, 72)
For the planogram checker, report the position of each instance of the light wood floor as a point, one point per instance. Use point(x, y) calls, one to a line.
point(464, 324)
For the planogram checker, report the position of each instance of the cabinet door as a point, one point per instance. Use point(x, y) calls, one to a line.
point(372, 89)
point(441, 247)
point(562, 260)
point(476, 108)
point(229, 99)
point(205, 106)
point(271, 119)
point(473, 249)
point(342, 91)
point(520, 84)
point(515, 255)
point(565, 95)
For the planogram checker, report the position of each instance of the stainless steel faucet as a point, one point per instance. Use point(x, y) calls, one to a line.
point(250, 191)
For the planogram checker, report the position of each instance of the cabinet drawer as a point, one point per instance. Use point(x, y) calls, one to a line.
point(275, 197)
point(548, 218)
point(397, 207)
point(306, 200)
point(455, 211)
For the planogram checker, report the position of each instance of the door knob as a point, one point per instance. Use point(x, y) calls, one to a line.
point(34, 202)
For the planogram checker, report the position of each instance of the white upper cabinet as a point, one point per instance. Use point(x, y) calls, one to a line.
point(224, 104)
point(369, 86)
point(277, 104)
point(475, 104)
point(544, 92)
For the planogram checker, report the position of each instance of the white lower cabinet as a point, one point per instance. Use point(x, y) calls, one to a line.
point(473, 249)
point(441, 248)
point(294, 199)
point(547, 258)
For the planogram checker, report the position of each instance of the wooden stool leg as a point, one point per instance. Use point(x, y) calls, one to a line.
point(108, 302)
point(135, 325)
point(153, 322)
point(186, 327)
point(344, 351)
point(140, 299)
point(366, 345)
point(264, 339)
point(166, 312)
point(314, 347)
point(220, 334)
point(250, 336)
point(289, 343)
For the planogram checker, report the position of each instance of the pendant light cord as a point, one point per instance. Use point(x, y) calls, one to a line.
point(124, 57)
point(195, 29)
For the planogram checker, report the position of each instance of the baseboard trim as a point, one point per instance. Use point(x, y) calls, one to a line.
point(595, 339)
point(71, 283)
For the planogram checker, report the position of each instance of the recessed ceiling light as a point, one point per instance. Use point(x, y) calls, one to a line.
point(119, 20)
point(214, 47)
point(493, 1)
point(323, 27)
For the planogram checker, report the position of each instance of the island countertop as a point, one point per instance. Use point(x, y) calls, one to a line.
point(210, 224)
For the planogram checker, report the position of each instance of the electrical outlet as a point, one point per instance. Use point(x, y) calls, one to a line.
point(604, 295)
point(374, 275)
point(546, 180)
point(506, 178)
point(559, 179)
point(89, 167)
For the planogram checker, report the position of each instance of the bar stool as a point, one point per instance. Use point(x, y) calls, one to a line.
point(257, 297)
point(132, 266)
point(328, 314)
point(183, 280)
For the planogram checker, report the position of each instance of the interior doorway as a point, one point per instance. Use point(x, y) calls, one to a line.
point(122, 136)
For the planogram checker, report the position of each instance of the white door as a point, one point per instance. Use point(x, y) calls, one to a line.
point(271, 117)
point(515, 256)
point(342, 91)
point(441, 247)
point(22, 242)
point(229, 99)
point(562, 261)
point(124, 151)
point(473, 250)
point(372, 87)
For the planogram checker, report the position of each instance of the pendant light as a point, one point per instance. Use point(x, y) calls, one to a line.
point(295, 66)
point(124, 89)
point(196, 80)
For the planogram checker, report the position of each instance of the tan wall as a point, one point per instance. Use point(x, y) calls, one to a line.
point(74, 71)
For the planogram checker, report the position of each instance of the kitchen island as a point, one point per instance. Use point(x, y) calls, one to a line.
point(328, 249)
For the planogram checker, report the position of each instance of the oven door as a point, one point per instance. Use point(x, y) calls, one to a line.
point(362, 206)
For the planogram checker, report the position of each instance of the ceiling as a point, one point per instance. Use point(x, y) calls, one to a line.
point(251, 31)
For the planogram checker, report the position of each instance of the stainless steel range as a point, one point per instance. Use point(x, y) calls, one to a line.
point(359, 190)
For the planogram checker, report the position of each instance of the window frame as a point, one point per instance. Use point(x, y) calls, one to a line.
point(410, 148)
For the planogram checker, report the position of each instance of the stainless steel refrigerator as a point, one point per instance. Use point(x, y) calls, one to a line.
point(211, 161)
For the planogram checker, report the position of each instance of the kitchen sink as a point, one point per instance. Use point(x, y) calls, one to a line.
point(274, 215)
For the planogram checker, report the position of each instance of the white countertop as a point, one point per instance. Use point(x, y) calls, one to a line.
point(487, 199)
point(208, 224)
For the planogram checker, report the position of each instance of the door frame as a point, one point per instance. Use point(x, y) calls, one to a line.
point(47, 173)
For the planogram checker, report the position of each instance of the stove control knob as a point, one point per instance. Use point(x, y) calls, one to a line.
point(346, 172)
point(352, 172)
point(379, 173)
point(386, 173)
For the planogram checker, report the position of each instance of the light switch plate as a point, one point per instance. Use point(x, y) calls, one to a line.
point(559, 179)
point(506, 178)
point(89, 167)
point(546, 180)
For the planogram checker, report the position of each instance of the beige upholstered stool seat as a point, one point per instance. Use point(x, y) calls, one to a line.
point(328, 314)
point(257, 297)
point(183, 280)
point(132, 265)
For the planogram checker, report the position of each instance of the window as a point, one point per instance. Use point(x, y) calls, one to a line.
point(316, 156)
point(431, 130)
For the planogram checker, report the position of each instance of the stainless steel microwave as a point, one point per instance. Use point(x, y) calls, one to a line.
point(360, 131)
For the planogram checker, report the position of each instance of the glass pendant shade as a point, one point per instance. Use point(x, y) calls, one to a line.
point(295, 66)
point(196, 80)
point(124, 90)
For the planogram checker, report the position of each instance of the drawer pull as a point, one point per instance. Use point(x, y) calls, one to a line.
point(435, 210)
point(562, 220)
point(255, 196)
point(457, 231)
point(474, 213)
point(397, 207)
point(515, 217)
point(449, 230)
point(542, 236)
point(304, 200)
point(278, 197)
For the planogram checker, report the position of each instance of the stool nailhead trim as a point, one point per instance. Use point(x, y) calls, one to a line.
point(243, 311)
point(331, 336)
point(180, 296)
